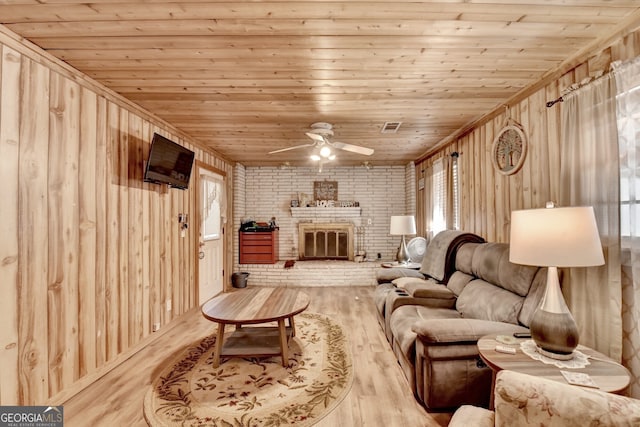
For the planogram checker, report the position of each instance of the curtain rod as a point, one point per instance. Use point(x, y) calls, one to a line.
point(554, 102)
point(576, 86)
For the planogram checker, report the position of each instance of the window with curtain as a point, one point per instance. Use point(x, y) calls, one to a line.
point(627, 76)
point(628, 111)
point(438, 198)
point(455, 191)
point(443, 203)
point(600, 166)
point(589, 176)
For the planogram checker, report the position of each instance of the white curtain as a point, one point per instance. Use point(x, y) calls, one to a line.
point(214, 211)
point(627, 78)
point(589, 177)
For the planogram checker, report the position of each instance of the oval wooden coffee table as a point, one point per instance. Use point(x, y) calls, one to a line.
point(250, 306)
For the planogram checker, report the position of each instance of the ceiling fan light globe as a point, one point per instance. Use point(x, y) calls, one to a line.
point(325, 151)
point(315, 157)
point(332, 157)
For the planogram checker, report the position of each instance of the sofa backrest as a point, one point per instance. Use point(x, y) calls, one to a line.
point(439, 258)
point(491, 263)
point(489, 287)
point(463, 273)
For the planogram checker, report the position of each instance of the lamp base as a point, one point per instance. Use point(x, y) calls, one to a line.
point(555, 356)
point(556, 334)
point(552, 326)
point(403, 256)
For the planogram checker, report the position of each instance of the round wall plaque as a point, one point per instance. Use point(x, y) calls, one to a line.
point(509, 150)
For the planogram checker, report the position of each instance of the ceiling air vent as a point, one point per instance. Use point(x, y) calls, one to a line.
point(390, 127)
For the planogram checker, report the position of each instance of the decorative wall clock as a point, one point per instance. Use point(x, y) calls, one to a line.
point(509, 149)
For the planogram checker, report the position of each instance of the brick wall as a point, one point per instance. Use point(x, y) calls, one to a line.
point(265, 192)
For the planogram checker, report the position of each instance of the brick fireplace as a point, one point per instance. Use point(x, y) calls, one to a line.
point(263, 192)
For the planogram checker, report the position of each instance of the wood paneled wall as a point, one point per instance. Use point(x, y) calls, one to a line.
point(487, 197)
point(90, 255)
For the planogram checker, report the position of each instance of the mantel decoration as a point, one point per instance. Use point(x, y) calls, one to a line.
point(509, 148)
point(325, 190)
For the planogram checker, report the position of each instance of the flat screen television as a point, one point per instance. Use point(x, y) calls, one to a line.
point(169, 163)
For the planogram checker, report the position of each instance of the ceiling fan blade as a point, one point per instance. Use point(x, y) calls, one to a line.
point(315, 136)
point(291, 148)
point(353, 148)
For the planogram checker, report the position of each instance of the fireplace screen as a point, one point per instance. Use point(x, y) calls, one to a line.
point(326, 241)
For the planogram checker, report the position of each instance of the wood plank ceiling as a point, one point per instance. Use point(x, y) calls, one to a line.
point(248, 77)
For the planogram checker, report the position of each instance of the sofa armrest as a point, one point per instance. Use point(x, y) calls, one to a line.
point(385, 275)
point(448, 331)
point(398, 300)
point(467, 416)
point(522, 399)
point(429, 289)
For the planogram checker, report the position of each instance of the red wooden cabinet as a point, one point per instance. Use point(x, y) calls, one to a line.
point(258, 247)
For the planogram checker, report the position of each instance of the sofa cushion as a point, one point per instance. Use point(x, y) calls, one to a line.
point(491, 263)
point(486, 260)
point(482, 300)
point(464, 257)
point(439, 260)
point(458, 281)
point(534, 297)
point(515, 277)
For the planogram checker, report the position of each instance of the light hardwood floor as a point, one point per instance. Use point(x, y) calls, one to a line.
point(380, 395)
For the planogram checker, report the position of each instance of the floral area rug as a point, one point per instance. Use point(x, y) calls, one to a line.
point(255, 392)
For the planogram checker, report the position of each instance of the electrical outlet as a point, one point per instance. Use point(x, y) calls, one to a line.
point(168, 305)
point(156, 326)
point(369, 221)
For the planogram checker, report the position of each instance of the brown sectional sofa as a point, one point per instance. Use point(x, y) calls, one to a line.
point(433, 324)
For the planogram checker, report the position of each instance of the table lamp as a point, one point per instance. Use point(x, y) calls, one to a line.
point(552, 238)
point(401, 225)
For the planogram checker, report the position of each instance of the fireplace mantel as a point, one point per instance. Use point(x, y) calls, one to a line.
point(325, 212)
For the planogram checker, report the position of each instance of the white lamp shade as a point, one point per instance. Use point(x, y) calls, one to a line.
point(402, 225)
point(555, 237)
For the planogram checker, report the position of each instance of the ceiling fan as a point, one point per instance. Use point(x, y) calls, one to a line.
point(319, 133)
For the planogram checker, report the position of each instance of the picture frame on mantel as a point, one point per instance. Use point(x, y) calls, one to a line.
point(325, 190)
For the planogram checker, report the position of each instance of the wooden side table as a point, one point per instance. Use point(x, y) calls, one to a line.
point(609, 375)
